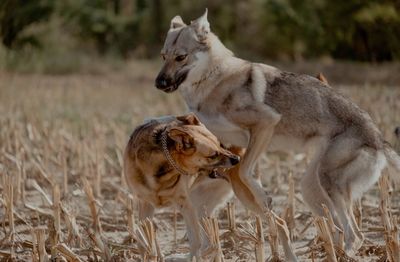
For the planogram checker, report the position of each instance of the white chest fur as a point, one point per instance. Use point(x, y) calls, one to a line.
point(226, 131)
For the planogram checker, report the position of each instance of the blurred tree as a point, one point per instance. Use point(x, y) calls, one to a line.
point(102, 22)
point(362, 30)
point(365, 30)
point(17, 15)
point(353, 29)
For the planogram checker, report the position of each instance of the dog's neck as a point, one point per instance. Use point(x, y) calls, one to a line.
point(210, 74)
point(217, 49)
point(209, 62)
point(215, 64)
point(167, 154)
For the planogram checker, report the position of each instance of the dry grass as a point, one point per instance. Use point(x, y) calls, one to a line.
point(63, 195)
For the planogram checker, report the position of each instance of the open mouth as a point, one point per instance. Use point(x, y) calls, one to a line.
point(179, 80)
point(221, 173)
point(169, 86)
point(170, 89)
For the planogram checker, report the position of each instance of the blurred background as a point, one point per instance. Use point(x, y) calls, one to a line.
point(59, 37)
point(77, 76)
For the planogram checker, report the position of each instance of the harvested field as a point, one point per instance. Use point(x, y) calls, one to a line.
point(63, 196)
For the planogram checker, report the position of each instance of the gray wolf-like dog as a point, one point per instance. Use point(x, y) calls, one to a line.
point(164, 164)
point(259, 107)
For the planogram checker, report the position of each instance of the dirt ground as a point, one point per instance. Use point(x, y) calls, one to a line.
point(61, 144)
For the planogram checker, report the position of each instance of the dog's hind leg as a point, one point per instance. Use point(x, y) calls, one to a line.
point(314, 195)
point(352, 180)
point(348, 169)
point(319, 187)
point(353, 220)
point(352, 235)
point(342, 199)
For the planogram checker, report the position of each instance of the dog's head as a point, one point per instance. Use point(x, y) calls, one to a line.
point(193, 147)
point(184, 52)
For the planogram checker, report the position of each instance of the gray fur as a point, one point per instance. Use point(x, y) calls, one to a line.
point(257, 106)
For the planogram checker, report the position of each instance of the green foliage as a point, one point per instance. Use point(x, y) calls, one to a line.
point(279, 29)
point(356, 29)
point(363, 30)
point(97, 21)
point(17, 15)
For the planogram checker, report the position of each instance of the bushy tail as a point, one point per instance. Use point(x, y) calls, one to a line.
point(393, 160)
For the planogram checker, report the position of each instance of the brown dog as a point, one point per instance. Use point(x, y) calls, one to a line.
point(163, 162)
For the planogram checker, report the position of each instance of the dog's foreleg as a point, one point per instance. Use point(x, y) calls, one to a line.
point(146, 210)
point(261, 120)
point(193, 226)
point(260, 137)
point(208, 194)
point(242, 191)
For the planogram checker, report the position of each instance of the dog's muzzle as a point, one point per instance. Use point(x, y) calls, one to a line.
point(164, 83)
point(168, 84)
point(214, 174)
point(221, 172)
point(234, 159)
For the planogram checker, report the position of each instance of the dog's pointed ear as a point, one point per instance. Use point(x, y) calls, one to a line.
point(176, 22)
point(189, 119)
point(183, 140)
point(201, 26)
point(322, 78)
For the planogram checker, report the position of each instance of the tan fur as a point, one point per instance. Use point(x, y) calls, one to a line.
point(254, 106)
point(322, 78)
point(156, 183)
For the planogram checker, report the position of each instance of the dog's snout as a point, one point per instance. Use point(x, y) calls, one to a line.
point(162, 81)
point(397, 131)
point(234, 160)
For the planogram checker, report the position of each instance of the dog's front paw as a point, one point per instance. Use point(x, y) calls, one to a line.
point(268, 201)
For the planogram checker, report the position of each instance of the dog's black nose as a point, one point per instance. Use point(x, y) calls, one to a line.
point(234, 160)
point(397, 131)
point(162, 82)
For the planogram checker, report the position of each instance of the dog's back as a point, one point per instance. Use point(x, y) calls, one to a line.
point(310, 108)
point(143, 156)
point(144, 136)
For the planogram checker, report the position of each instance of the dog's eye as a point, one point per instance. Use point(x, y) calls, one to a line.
point(180, 58)
point(213, 156)
point(163, 57)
